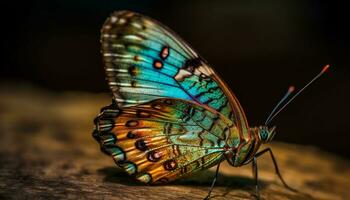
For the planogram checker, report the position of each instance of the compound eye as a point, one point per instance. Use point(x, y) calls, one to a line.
point(263, 135)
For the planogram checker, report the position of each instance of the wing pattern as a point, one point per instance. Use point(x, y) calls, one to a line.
point(172, 114)
point(162, 140)
point(145, 60)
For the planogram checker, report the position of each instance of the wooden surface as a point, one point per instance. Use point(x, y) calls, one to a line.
point(47, 152)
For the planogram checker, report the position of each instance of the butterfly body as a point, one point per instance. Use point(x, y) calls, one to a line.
point(172, 114)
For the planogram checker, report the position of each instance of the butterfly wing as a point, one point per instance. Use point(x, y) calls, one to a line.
point(144, 60)
point(163, 139)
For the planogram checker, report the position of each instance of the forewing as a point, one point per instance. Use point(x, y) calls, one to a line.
point(144, 60)
point(164, 139)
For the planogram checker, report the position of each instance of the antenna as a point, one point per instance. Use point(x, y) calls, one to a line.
point(270, 118)
point(289, 92)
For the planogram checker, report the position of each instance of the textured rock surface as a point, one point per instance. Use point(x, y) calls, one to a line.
point(47, 151)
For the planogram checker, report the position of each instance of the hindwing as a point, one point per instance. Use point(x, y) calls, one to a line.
point(163, 139)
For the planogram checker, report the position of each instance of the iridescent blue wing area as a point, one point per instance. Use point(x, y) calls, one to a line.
point(144, 60)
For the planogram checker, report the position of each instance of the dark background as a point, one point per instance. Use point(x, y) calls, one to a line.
point(259, 47)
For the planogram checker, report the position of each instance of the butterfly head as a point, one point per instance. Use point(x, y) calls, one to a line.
point(265, 134)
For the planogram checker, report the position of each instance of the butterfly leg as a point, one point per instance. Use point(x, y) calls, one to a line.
point(213, 183)
point(276, 167)
point(255, 174)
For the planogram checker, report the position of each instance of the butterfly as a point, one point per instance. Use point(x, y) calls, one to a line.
point(172, 115)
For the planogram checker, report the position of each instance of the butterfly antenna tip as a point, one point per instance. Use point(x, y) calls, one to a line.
point(273, 114)
point(325, 68)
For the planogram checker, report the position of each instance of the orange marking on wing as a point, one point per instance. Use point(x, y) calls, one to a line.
point(164, 53)
point(158, 64)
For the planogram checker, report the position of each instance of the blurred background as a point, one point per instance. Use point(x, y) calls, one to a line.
point(259, 48)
